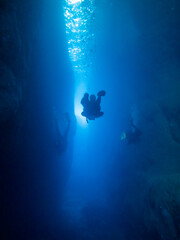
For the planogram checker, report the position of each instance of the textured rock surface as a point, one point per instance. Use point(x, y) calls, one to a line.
point(29, 169)
point(16, 43)
point(152, 195)
point(145, 189)
point(10, 42)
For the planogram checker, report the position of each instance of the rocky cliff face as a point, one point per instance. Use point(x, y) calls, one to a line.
point(29, 166)
point(150, 200)
point(16, 43)
point(146, 36)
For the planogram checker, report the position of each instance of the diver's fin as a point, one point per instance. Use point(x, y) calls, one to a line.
point(101, 93)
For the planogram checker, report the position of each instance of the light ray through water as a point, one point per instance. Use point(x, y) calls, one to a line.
point(79, 19)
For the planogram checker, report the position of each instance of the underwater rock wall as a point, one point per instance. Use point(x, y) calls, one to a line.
point(10, 53)
point(149, 189)
point(17, 39)
point(31, 70)
point(16, 43)
point(149, 203)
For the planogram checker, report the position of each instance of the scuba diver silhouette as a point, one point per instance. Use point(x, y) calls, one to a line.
point(61, 142)
point(133, 135)
point(92, 108)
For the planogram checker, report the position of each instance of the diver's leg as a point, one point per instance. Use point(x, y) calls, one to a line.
point(58, 134)
point(67, 128)
point(83, 114)
point(100, 114)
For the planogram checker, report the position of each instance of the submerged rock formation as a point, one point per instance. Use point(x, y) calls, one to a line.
point(10, 62)
point(145, 179)
point(31, 179)
point(149, 195)
point(17, 35)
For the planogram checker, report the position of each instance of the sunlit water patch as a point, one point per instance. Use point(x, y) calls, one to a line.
point(79, 19)
point(80, 89)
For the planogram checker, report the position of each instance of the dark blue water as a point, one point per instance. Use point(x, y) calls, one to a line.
point(91, 183)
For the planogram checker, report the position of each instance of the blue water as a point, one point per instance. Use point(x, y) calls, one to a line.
point(99, 187)
point(102, 49)
point(107, 52)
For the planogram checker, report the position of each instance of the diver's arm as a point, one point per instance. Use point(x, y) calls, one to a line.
point(132, 124)
point(68, 126)
point(135, 128)
point(57, 130)
point(98, 100)
point(82, 101)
